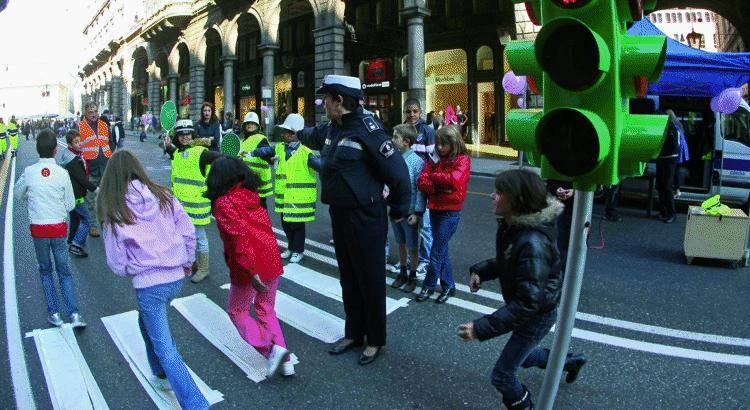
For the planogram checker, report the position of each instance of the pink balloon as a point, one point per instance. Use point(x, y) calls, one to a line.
point(521, 102)
point(264, 108)
point(318, 102)
point(513, 84)
point(729, 100)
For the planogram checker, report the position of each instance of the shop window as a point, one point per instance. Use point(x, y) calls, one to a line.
point(446, 78)
point(485, 58)
point(219, 100)
point(301, 106)
point(486, 115)
point(283, 95)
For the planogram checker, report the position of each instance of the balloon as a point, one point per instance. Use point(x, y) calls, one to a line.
point(513, 84)
point(264, 108)
point(521, 102)
point(729, 100)
point(318, 101)
point(714, 104)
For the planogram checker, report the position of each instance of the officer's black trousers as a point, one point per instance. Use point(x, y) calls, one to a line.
point(359, 236)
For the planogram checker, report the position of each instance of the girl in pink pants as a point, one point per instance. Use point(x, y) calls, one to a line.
point(253, 258)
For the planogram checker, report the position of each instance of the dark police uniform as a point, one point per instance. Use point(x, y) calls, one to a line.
point(358, 158)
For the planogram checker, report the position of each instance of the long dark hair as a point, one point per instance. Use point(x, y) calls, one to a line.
point(524, 189)
point(122, 168)
point(226, 172)
point(213, 113)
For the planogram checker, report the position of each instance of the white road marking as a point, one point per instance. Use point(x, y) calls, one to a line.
point(586, 317)
point(124, 331)
point(69, 380)
point(18, 372)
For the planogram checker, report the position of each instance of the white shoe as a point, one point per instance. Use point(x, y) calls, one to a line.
point(278, 355)
point(55, 320)
point(393, 268)
point(159, 383)
point(286, 254)
point(287, 369)
point(422, 270)
point(76, 320)
point(295, 258)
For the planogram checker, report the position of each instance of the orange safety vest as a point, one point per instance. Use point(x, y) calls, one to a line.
point(90, 142)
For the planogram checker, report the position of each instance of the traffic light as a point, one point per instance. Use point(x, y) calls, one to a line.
point(588, 68)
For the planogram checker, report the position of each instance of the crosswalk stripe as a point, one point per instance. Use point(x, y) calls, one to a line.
point(307, 318)
point(69, 380)
point(329, 286)
point(124, 331)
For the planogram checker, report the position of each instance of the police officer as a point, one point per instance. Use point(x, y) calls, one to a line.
point(3, 138)
point(358, 159)
point(13, 136)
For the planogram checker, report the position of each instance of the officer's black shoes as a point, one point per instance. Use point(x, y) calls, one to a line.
point(519, 404)
point(573, 366)
point(367, 359)
point(400, 280)
point(342, 345)
point(445, 294)
point(411, 284)
point(424, 294)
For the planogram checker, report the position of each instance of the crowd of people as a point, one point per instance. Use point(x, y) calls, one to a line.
point(414, 180)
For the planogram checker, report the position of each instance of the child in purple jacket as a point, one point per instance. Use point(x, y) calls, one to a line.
point(149, 237)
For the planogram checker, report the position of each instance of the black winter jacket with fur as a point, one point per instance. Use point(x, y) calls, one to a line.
point(527, 263)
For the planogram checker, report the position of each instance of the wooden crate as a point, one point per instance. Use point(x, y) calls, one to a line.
point(721, 237)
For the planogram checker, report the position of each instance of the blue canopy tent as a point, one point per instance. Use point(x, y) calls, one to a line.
point(694, 73)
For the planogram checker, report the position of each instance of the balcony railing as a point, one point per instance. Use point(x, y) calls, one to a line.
point(169, 11)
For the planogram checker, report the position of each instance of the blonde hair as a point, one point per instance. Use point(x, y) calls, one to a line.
point(406, 132)
point(451, 136)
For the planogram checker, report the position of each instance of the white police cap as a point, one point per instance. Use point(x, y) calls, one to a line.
point(184, 127)
point(342, 84)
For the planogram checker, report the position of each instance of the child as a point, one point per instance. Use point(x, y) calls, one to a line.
point(258, 154)
point(251, 253)
point(407, 231)
point(47, 189)
point(296, 188)
point(77, 167)
point(444, 180)
point(147, 235)
point(527, 263)
point(189, 167)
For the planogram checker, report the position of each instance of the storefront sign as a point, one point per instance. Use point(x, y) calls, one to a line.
point(246, 88)
point(383, 84)
point(446, 79)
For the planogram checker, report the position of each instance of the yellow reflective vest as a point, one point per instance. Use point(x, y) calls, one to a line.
point(296, 187)
point(259, 165)
point(189, 185)
point(13, 135)
point(3, 138)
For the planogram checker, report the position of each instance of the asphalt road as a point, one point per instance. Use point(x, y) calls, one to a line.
point(658, 333)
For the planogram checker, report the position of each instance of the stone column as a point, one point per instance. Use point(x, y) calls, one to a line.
point(197, 89)
point(108, 95)
point(116, 97)
point(154, 96)
point(229, 84)
point(126, 108)
point(415, 45)
point(173, 88)
point(329, 57)
point(267, 85)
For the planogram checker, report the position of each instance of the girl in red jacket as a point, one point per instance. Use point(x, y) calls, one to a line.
point(444, 180)
point(252, 255)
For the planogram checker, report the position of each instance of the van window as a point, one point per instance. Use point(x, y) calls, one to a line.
point(736, 127)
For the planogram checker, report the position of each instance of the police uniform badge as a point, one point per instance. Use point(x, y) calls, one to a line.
point(387, 149)
point(371, 124)
point(185, 154)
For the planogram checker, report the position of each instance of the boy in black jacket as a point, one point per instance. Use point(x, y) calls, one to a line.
point(72, 160)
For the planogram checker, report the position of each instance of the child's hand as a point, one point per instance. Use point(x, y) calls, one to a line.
point(413, 219)
point(258, 284)
point(466, 332)
point(188, 270)
point(475, 282)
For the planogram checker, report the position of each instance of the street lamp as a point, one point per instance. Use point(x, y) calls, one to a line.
point(694, 39)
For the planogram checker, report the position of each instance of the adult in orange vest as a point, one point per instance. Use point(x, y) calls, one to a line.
point(96, 151)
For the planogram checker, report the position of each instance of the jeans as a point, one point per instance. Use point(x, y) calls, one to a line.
point(521, 351)
point(425, 234)
point(59, 249)
point(262, 331)
point(163, 357)
point(94, 177)
point(444, 225)
point(665, 170)
point(295, 235)
point(80, 222)
point(201, 240)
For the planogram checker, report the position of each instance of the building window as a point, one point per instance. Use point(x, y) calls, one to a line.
point(708, 17)
point(679, 17)
point(669, 18)
point(485, 58)
point(362, 16)
point(692, 14)
point(687, 18)
point(674, 17)
point(676, 37)
point(659, 17)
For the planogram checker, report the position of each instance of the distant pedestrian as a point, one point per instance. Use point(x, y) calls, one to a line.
point(148, 236)
point(96, 150)
point(46, 188)
point(666, 166)
point(80, 219)
point(527, 263)
point(118, 134)
point(252, 255)
point(444, 180)
point(207, 127)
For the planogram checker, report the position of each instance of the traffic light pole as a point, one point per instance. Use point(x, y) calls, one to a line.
point(571, 292)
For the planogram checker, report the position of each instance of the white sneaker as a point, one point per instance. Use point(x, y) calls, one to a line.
point(159, 383)
point(55, 320)
point(391, 268)
point(287, 369)
point(278, 355)
point(295, 258)
point(76, 320)
point(286, 254)
point(422, 270)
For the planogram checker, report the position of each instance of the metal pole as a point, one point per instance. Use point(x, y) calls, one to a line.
point(582, 205)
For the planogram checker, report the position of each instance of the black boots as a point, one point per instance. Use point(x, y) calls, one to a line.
point(400, 280)
point(445, 294)
point(573, 364)
point(523, 403)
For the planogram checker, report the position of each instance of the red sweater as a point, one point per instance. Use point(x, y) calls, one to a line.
point(249, 243)
point(445, 183)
